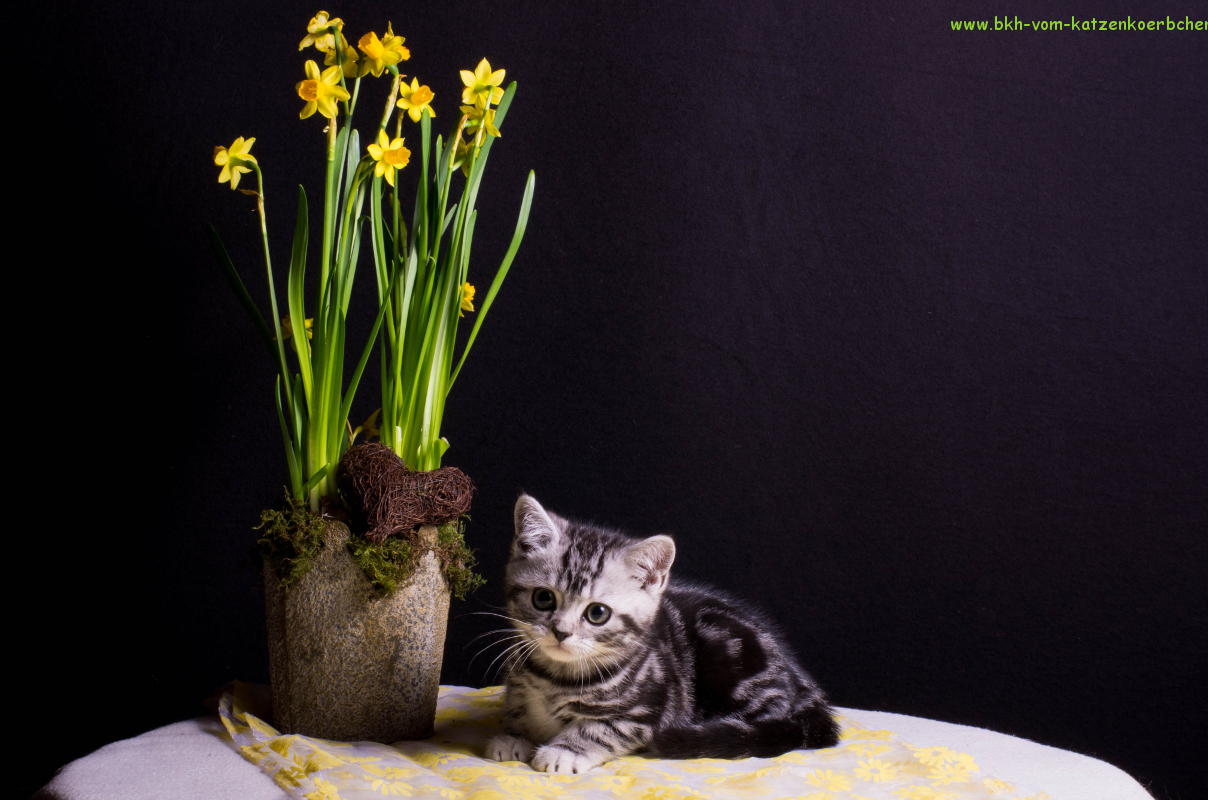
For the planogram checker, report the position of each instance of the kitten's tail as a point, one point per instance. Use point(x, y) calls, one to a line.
point(814, 727)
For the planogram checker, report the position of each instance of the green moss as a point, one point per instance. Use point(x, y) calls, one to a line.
point(290, 540)
point(386, 565)
point(457, 559)
point(389, 564)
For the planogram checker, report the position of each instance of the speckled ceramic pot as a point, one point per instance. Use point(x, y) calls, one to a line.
point(346, 665)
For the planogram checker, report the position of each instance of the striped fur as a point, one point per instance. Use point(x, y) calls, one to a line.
point(677, 670)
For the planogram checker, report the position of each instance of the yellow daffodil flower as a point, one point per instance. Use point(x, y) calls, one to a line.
point(370, 426)
point(389, 156)
point(377, 55)
point(461, 156)
point(415, 99)
point(467, 299)
point(318, 35)
point(478, 115)
point(320, 91)
point(287, 328)
point(482, 82)
point(332, 58)
point(232, 160)
point(395, 44)
point(287, 331)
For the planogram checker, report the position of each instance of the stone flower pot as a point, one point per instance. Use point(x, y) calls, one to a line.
point(347, 665)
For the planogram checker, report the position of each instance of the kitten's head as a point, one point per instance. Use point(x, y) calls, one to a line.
point(582, 595)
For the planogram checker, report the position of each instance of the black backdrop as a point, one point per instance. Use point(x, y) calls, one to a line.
point(900, 331)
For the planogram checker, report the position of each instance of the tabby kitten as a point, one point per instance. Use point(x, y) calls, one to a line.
point(614, 658)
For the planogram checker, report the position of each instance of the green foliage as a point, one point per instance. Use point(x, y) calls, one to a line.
point(389, 564)
point(313, 401)
point(290, 539)
point(422, 283)
point(457, 560)
point(386, 565)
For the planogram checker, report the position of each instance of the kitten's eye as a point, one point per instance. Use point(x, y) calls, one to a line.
point(544, 600)
point(598, 613)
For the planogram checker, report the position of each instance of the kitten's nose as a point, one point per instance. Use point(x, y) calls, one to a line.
point(559, 635)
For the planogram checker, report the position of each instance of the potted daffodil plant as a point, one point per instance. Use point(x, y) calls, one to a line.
point(356, 625)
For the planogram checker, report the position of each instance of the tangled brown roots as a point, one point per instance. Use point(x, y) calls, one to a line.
point(390, 499)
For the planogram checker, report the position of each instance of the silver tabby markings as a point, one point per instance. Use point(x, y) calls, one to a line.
point(614, 658)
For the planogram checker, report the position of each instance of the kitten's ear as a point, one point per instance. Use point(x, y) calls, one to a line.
point(536, 528)
point(651, 561)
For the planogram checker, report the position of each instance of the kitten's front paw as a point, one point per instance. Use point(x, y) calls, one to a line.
point(506, 747)
point(556, 758)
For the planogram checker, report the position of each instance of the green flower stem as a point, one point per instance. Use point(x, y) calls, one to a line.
point(397, 212)
point(422, 310)
point(272, 289)
point(349, 135)
point(329, 220)
point(328, 323)
point(356, 92)
point(313, 418)
point(349, 234)
point(335, 37)
point(314, 450)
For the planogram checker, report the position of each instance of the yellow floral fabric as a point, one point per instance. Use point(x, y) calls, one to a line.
point(866, 765)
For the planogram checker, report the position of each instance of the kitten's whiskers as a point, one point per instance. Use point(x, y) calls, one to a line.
point(501, 616)
point(595, 664)
point(503, 630)
point(518, 659)
point(513, 635)
point(507, 650)
point(488, 633)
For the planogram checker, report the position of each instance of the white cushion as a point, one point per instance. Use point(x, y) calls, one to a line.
point(197, 760)
point(1065, 775)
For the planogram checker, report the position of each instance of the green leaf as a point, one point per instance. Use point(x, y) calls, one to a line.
point(378, 233)
point(241, 294)
point(480, 164)
point(344, 265)
point(404, 309)
point(383, 258)
point(419, 222)
point(522, 223)
point(296, 298)
point(331, 209)
point(346, 406)
point(444, 226)
point(467, 239)
point(332, 427)
point(319, 475)
point(504, 104)
point(291, 457)
point(354, 158)
point(299, 418)
point(351, 269)
point(442, 159)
